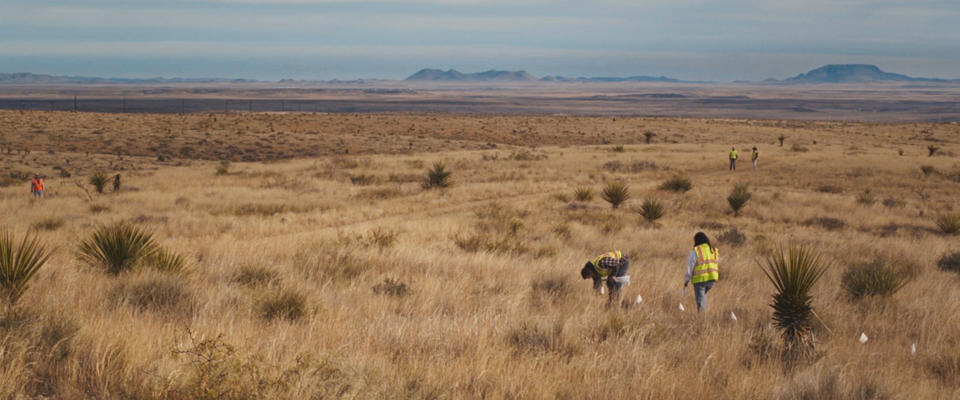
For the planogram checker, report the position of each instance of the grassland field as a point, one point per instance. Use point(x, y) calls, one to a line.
point(318, 267)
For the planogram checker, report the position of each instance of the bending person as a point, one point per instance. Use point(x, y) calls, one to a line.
point(610, 265)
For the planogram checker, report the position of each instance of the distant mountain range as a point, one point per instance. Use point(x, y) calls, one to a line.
point(28, 78)
point(437, 75)
point(853, 73)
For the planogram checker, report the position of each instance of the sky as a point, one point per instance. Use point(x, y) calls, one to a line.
point(703, 40)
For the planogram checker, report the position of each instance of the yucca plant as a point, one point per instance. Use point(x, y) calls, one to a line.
point(949, 223)
point(19, 263)
point(793, 276)
point(932, 149)
point(875, 278)
point(677, 184)
point(652, 209)
point(648, 135)
point(438, 177)
point(117, 248)
point(583, 193)
point(739, 197)
point(618, 148)
point(98, 179)
point(615, 193)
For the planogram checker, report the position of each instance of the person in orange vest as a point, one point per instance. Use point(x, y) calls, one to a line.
point(702, 269)
point(611, 266)
point(36, 186)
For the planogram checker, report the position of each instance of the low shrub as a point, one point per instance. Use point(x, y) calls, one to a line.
point(866, 198)
point(48, 224)
point(892, 202)
point(555, 286)
point(167, 261)
point(677, 184)
point(732, 237)
point(583, 194)
point(950, 262)
point(154, 292)
point(874, 278)
point(284, 305)
point(927, 169)
point(828, 223)
point(391, 287)
point(799, 149)
point(254, 275)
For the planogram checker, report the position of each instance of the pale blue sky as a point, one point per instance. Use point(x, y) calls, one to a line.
point(717, 40)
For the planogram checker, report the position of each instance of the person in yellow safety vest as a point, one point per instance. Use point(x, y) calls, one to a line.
point(733, 159)
point(610, 265)
point(756, 155)
point(36, 186)
point(702, 269)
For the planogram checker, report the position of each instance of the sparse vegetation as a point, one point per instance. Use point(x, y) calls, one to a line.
point(739, 197)
point(927, 169)
point(438, 177)
point(615, 193)
point(223, 168)
point(950, 262)
point(732, 237)
point(19, 262)
point(781, 138)
point(652, 209)
point(932, 148)
point(866, 198)
point(117, 248)
point(648, 136)
point(677, 184)
point(98, 179)
point(283, 305)
point(618, 148)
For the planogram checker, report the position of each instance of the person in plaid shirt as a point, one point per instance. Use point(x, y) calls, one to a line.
point(610, 266)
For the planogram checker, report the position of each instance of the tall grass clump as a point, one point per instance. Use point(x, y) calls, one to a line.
point(794, 275)
point(98, 179)
point(949, 223)
point(615, 193)
point(223, 168)
point(19, 263)
point(932, 149)
point(652, 209)
point(437, 177)
point(117, 248)
point(677, 184)
point(648, 135)
point(866, 198)
point(739, 197)
point(284, 305)
point(583, 193)
point(927, 169)
point(167, 261)
point(874, 278)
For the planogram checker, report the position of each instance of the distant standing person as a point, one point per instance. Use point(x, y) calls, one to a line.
point(611, 266)
point(756, 155)
point(116, 183)
point(733, 159)
point(702, 269)
point(36, 186)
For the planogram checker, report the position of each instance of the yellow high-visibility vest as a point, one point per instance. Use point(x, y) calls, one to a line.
point(706, 269)
point(616, 255)
point(733, 155)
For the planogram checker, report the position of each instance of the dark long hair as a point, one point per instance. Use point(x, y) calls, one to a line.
point(701, 238)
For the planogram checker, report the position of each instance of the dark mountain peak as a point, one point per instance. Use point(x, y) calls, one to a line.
point(850, 73)
point(428, 74)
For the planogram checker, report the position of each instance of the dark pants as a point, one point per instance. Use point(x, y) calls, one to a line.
point(700, 292)
point(733, 164)
point(614, 286)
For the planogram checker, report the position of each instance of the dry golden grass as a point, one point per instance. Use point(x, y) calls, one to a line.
point(296, 267)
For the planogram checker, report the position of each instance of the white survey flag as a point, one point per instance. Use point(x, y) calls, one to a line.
point(733, 316)
point(863, 338)
point(681, 306)
point(639, 299)
point(913, 349)
point(602, 291)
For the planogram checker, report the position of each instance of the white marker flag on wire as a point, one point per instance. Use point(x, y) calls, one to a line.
point(863, 337)
point(681, 307)
point(733, 316)
point(639, 299)
point(913, 349)
point(602, 291)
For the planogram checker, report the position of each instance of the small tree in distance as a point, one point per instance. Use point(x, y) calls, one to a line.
point(647, 135)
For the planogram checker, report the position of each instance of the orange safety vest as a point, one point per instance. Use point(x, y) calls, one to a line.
point(616, 255)
point(706, 269)
point(37, 185)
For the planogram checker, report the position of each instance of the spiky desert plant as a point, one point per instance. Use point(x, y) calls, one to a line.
point(677, 184)
point(739, 197)
point(437, 177)
point(652, 209)
point(618, 148)
point(648, 135)
point(168, 261)
point(781, 139)
point(583, 193)
point(117, 248)
point(875, 278)
point(932, 149)
point(615, 193)
point(19, 263)
point(98, 179)
point(949, 223)
point(866, 198)
point(793, 276)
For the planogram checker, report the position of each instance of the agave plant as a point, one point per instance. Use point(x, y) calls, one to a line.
point(438, 177)
point(164, 260)
point(949, 223)
point(678, 184)
point(793, 276)
point(583, 193)
point(98, 179)
point(739, 197)
point(652, 209)
point(19, 263)
point(117, 248)
point(615, 193)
